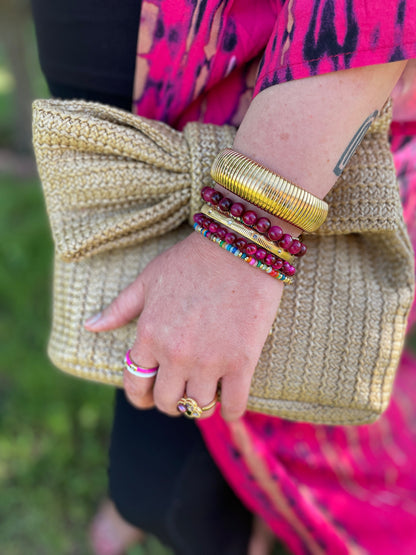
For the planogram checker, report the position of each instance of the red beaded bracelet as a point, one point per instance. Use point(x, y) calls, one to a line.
point(249, 218)
point(244, 246)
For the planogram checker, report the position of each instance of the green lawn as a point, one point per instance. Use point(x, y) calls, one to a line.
point(53, 429)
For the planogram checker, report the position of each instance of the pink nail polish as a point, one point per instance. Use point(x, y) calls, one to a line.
point(93, 320)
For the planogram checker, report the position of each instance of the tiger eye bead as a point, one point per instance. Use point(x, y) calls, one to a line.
point(251, 249)
point(286, 242)
point(237, 209)
point(198, 218)
point(225, 204)
point(261, 254)
point(270, 259)
point(275, 233)
point(278, 264)
point(288, 269)
point(221, 233)
point(207, 193)
point(241, 244)
point(206, 222)
point(249, 218)
point(295, 247)
point(216, 197)
point(263, 225)
point(303, 250)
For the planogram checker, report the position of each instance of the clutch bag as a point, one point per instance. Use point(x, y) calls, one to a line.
point(120, 189)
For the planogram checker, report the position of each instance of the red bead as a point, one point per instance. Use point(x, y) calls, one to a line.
point(213, 227)
point(275, 233)
point(251, 249)
point(237, 209)
point(288, 269)
point(230, 238)
point(286, 242)
point(221, 233)
point(249, 218)
point(261, 254)
point(207, 193)
point(206, 222)
point(216, 197)
point(270, 259)
point(303, 250)
point(198, 218)
point(295, 247)
point(225, 204)
point(273, 273)
point(241, 244)
point(278, 264)
point(263, 225)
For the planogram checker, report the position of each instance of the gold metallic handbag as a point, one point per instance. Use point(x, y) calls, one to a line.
point(120, 189)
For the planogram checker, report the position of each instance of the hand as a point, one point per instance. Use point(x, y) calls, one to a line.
point(204, 316)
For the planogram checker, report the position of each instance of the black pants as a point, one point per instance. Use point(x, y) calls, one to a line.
point(161, 476)
point(163, 479)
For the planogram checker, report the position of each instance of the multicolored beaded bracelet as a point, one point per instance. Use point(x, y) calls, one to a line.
point(249, 218)
point(250, 249)
point(236, 252)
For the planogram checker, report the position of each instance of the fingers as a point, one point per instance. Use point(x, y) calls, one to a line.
point(172, 384)
point(121, 311)
point(235, 389)
point(169, 388)
point(139, 389)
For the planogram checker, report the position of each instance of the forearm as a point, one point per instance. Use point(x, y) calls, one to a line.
point(304, 130)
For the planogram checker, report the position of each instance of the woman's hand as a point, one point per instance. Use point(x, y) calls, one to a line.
point(204, 316)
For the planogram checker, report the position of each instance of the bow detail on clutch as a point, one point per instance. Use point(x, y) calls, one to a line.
point(112, 179)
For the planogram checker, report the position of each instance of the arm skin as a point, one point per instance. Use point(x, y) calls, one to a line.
point(203, 315)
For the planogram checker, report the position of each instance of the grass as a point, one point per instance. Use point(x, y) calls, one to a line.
point(54, 429)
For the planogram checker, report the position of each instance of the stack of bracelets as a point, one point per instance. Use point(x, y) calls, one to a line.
point(239, 229)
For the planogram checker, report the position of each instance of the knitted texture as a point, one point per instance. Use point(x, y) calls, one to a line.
point(119, 190)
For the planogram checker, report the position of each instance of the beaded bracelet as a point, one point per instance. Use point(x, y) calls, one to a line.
point(268, 190)
point(250, 219)
point(236, 252)
point(248, 233)
point(244, 246)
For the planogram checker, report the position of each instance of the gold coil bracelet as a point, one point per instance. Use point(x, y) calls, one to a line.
point(268, 190)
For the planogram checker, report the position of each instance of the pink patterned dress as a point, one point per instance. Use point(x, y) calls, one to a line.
point(322, 489)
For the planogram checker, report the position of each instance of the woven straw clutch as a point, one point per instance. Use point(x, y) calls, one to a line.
point(119, 190)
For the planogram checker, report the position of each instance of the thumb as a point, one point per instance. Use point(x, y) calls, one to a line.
point(121, 311)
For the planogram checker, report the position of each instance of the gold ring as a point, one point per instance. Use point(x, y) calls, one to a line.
point(190, 408)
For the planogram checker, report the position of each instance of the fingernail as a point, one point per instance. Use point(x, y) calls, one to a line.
point(93, 320)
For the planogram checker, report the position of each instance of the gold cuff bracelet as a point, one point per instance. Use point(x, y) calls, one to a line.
point(268, 190)
point(246, 232)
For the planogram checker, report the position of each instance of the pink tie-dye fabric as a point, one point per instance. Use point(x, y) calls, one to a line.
point(322, 489)
point(198, 59)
